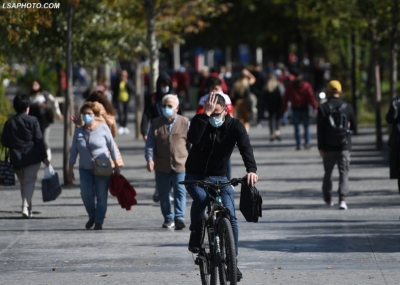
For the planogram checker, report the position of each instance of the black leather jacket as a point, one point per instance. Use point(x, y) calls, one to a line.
point(22, 135)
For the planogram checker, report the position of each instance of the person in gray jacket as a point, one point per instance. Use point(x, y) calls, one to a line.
point(22, 135)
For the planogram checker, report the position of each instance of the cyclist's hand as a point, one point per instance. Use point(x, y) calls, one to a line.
point(209, 105)
point(252, 178)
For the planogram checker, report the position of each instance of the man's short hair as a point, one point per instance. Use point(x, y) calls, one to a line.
point(173, 96)
point(213, 81)
point(220, 100)
point(21, 102)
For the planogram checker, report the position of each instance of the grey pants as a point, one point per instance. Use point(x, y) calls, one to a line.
point(342, 159)
point(27, 178)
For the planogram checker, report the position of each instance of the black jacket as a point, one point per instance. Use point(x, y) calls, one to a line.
point(22, 135)
point(323, 112)
point(212, 147)
point(152, 103)
point(393, 117)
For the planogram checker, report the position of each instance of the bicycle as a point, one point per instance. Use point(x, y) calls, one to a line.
point(217, 246)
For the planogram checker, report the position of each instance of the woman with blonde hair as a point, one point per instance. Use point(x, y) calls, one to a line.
point(273, 93)
point(240, 95)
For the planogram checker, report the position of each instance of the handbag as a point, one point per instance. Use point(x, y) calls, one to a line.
point(101, 166)
point(7, 174)
point(51, 187)
point(250, 203)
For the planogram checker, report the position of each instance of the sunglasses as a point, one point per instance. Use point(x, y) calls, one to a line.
point(217, 115)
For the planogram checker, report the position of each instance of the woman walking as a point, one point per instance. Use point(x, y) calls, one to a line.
point(273, 94)
point(93, 138)
point(22, 135)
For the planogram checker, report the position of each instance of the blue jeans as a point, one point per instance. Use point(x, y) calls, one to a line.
point(94, 189)
point(301, 116)
point(201, 200)
point(163, 184)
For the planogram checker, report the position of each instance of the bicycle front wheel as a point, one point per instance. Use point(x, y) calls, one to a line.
point(208, 271)
point(227, 266)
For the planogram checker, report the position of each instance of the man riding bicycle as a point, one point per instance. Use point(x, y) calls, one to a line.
point(213, 136)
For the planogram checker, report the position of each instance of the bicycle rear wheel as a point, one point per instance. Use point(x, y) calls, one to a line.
point(208, 272)
point(227, 267)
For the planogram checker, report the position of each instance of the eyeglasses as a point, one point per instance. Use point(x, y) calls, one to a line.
point(218, 114)
point(169, 106)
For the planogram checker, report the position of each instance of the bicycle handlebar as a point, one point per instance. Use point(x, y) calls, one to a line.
point(233, 182)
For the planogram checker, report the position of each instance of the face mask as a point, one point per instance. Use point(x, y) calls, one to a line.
point(165, 90)
point(88, 119)
point(216, 122)
point(167, 112)
point(228, 75)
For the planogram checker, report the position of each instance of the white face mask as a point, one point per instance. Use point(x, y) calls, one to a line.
point(165, 90)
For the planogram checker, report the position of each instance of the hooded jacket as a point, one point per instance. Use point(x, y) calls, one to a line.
point(212, 147)
point(152, 103)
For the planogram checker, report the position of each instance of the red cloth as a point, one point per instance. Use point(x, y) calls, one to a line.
point(124, 191)
point(300, 96)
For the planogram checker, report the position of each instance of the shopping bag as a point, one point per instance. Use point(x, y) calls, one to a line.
point(7, 174)
point(51, 187)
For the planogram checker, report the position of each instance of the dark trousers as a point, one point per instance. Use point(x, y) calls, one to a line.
point(274, 121)
point(122, 113)
point(342, 159)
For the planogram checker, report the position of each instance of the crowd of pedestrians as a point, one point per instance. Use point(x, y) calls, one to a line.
point(177, 148)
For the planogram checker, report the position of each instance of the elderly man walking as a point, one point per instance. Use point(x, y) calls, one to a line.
point(166, 153)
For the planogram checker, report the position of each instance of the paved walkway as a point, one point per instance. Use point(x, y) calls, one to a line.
point(298, 241)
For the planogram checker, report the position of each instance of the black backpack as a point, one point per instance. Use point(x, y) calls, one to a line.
point(337, 126)
point(250, 203)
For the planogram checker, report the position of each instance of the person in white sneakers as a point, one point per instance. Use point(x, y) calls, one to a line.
point(335, 120)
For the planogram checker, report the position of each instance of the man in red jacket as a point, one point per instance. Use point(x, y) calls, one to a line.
point(301, 96)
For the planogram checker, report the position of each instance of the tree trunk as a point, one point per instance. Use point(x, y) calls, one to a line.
point(139, 99)
point(377, 89)
point(394, 35)
point(149, 6)
point(69, 99)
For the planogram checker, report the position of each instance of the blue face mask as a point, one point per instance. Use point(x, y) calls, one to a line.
point(88, 119)
point(167, 112)
point(216, 122)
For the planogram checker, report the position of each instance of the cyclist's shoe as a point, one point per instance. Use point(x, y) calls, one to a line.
point(239, 274)
point(194, 242)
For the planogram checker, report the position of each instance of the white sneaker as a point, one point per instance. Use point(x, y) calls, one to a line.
point(127, 131)
point(342, 205)
point(121, 130)
point(25, 213)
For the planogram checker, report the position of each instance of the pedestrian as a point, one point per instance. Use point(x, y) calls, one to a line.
point(241, 97)
point(43, 105)
point(393, 118)
point(213, 73)
point(92, 140)
point(102, 86)
point(273, 94)
point(23, 137)
point(257, 89)
point(335, 120)
point(123, 93)
point(181, 84)
point(301, 96)
point(153, 109)
point(166, 152)
point(107, 116)
point(214, 135)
